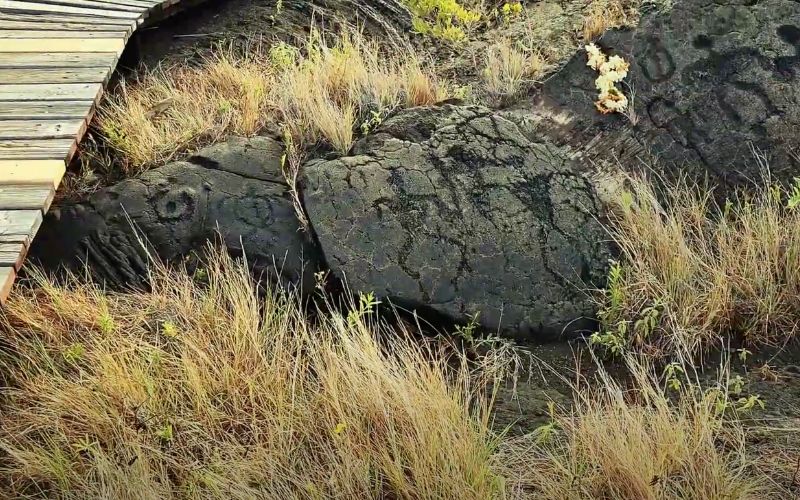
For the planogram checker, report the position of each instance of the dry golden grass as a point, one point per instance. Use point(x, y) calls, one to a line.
point(319, 92)
point(166, 111)
point(194, 391)
point(602, 15)
point(638, 443)
point(709, 271)
point(508, 68)
point(204, 388)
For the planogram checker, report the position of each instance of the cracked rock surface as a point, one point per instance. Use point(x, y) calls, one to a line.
point(711, 81)
point(454, 209)
point(234, 188)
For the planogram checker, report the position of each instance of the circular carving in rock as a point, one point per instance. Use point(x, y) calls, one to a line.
point(710, 84)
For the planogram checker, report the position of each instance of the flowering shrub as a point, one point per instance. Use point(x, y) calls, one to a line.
point(442, 18)
point(612, 71)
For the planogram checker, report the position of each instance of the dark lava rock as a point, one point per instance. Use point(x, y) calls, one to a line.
point(713, 81)
point(234, 190)
point(452, 209)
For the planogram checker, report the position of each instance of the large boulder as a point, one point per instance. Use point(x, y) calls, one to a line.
point(453, 210)
point(233, 190)
point(711, 82)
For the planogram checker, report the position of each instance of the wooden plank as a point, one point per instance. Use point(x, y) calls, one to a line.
point(4, 33)
point(7, 277)
point(62, 26)
point(50, 18)
point(35, 149)
point(26, 197)
point(20, 222)
point(116, 45)
point(45, 109)
point(146, 4)
point(58, 60)
point(42, 129)
point(16, 172)
point(12, 254)
point(50, 92)
point(54, 75)
point(94, 4)
point(23, 7)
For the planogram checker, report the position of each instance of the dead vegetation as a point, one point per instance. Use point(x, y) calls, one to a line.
point(331, 88)
point(323, 91)
point(509, 68)
point(199, 389)
point(693, 270)
point(202, 389)
point(649, 439)
point(603, 15)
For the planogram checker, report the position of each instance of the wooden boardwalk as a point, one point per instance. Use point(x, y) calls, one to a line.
point(55, 58)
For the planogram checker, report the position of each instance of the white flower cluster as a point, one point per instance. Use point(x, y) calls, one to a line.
point(612, 71)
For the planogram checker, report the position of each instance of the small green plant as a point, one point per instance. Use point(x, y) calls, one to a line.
point(74, 353)
point(794, 195)
point(511, 9)
point(467, 332)
point(86, 446)
point(169, 330)
point(545, 432)
point(613, 341)
point(614, 293)
point(443, 19)
point(744, 354)
point(165, 433)
point(106, 323)
point(672, 372)
point(461, 91)
point(647, 323)
point(374, 121)
point(224, 107)
point(366, 305)
point(750, 402)
point(736, 385)
point(283, 56)
point(720, 400)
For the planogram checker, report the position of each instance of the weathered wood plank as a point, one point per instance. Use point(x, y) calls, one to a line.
point(36, 149)
point(146, 4)
point(12, 254)
point(116, 45)
point(45, 109)
point(26, 197)
point(94, 4)
point(7, 277)
point(51, 18)
point(21, 222)
point(58, 60)
point(16, 172)
point(42, 129)
point(37, 34)
point(50, 92)
point(54, 75)
point(22, 7)
point(63, 26)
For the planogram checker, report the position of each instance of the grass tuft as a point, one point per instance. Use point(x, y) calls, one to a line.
point(208, 391)
point(693, 270)
point(602, 15)
point(320, 92)
point(508, 69)
point(638, 442)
